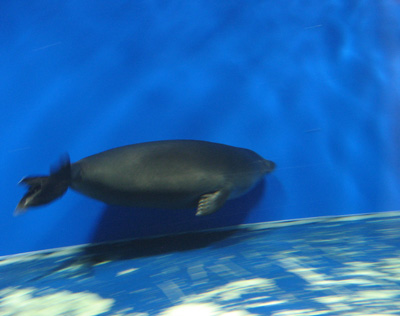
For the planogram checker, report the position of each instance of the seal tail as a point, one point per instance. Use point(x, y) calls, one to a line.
point(44, 189)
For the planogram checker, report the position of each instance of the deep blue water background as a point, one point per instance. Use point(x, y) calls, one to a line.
point(313, 86)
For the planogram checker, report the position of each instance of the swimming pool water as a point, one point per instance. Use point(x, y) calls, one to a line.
point(312, 86)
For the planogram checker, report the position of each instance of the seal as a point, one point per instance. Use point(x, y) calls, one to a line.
point(177, 174)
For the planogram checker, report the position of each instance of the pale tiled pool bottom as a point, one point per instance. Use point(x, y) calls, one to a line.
point(324, 266)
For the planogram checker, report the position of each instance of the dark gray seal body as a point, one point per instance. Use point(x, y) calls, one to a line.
point(174, 174)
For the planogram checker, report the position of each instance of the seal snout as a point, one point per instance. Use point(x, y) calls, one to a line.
point(269, 165)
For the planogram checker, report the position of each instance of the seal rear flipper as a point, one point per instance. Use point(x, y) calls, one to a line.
point(212, 202)
point(44, 189)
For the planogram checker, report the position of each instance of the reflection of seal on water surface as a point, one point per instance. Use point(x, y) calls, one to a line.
point(164, 174)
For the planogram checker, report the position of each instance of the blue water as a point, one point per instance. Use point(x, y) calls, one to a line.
point(322, 267)
point(312, 86)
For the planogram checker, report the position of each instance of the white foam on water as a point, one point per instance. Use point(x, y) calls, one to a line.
point(31, 301)
point(223, 300)
point(202, 309)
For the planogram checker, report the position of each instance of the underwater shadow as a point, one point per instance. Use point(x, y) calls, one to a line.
point(126, 233)
point(119, 223)
point(137, 248)
point(81, 264)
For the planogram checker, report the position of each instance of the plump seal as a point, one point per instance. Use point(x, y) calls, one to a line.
point(175, 174)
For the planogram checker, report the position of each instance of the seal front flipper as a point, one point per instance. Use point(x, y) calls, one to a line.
point(44, 189)
point(212, 202)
